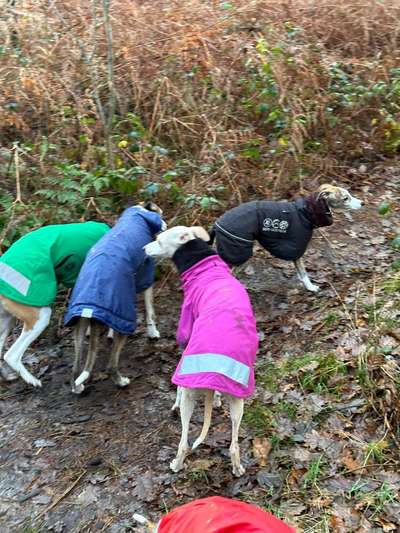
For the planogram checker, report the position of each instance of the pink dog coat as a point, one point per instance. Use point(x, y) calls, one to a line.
point(217, 328)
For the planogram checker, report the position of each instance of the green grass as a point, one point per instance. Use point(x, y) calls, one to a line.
point(313, 473)
point(258, 417)
point(377, 500)
point(318, 379)
point(312, 371)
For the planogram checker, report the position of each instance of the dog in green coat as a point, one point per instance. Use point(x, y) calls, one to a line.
point(30, 272)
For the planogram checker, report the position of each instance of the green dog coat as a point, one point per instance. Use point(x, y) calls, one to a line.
point(35, 264)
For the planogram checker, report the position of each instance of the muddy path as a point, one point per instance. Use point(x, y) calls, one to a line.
point(88, 463)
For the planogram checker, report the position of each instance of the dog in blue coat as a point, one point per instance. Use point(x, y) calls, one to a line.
point(115, 270)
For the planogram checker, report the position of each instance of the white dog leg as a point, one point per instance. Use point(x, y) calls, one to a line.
point(187, 406)
point(14, 355)
point(303, 276)
point(152, 331)
point(113, 365)
point(236, 411)
point(7, 322)
point(178, 398)
point(217, 399)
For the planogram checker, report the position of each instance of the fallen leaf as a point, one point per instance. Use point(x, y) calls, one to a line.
point(201, 464)
point(268, 479)
point(144, 489)
point(350, 462)
point(261, 450)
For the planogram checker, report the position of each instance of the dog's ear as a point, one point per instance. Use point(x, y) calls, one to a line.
point(151, 206)
point(325, 189)
point(200, 233)
point(185, 236)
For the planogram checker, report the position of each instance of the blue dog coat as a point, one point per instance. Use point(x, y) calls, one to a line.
point(115, 270)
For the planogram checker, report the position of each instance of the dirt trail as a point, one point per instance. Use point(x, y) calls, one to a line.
point(87, 463)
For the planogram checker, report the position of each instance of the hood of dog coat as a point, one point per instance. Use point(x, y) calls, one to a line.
point(190, 253)
point(318, 211)
point(220, 515)
point(114, 271)
point(32, 268)
point(218, 330)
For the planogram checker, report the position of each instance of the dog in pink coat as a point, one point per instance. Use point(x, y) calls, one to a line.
point(217, 330)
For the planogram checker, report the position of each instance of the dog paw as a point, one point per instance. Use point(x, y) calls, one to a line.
point(152, 332)
point(7, 373)
point(78, 389)
point(123, 382)
point(312, 287)
point(238, 470)
point(175, 465)
point(27, 376)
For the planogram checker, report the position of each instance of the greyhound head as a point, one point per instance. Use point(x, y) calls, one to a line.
point(168, 242)
point(338, 198)
point(151, 206)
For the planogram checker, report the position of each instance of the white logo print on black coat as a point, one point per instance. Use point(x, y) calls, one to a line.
point(276, 225)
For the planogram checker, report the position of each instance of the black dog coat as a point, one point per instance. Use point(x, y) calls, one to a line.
point(282, 228)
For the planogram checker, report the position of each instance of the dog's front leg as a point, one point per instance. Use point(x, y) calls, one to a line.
point(187, 406)
point(152, 331)
point(236, 411)
point(303, 276)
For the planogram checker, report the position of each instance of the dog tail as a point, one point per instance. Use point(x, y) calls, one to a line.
point(211, 233)
point(82, 378)
point(208, 405)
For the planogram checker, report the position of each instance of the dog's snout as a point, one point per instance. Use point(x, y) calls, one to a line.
point(362, 203)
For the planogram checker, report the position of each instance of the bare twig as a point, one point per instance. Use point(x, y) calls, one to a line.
point(347, 312)
point(18, 198)
point(110, 81)
point(62, 496)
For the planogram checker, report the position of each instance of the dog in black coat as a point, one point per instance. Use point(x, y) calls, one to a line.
point(283, 228)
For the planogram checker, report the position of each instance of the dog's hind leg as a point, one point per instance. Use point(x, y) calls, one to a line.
point(303, 276)
point(208, 405)
point(7, 322)
point(152, 331)
point(36, 321)
point(80, 332)
point(217, 399)
point(177, 399)
point(118, 344)
point(95, 328)
point(236, 411)
point(187, 406)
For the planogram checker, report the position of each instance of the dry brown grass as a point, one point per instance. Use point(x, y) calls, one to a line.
point(189, 70)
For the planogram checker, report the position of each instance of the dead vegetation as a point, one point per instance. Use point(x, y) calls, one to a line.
point(245, 95)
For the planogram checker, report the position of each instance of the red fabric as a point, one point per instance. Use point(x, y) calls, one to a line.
point(221, 515)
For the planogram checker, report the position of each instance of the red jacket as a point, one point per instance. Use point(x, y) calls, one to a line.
point(221, 515)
